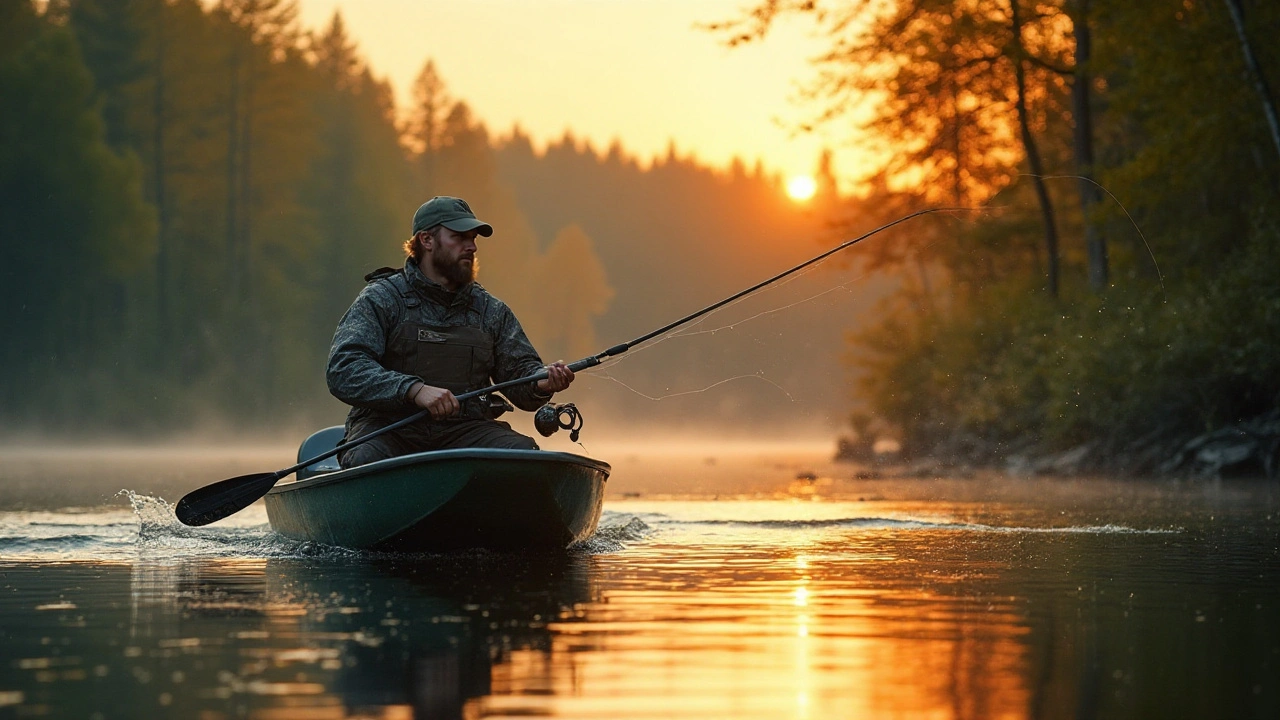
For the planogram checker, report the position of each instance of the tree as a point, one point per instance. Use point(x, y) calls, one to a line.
point(110, 36)
point(354, 190)
point(431, 103)
point(1030, 148)
point(1189, 147)
point(70, 202)
point(1256, 73)
point(964, 88)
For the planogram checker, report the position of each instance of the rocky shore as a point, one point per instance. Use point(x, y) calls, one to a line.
point(1250, 449)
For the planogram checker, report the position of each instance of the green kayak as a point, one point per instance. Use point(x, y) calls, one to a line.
point(442, 500)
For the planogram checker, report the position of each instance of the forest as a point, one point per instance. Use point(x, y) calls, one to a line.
point(213, 182)
point(1117, 292)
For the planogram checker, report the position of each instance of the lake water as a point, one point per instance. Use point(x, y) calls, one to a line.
point(727, 582)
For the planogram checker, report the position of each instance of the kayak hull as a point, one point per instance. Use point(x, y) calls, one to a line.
point(445, 500)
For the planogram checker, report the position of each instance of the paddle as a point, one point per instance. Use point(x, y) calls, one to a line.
point(221, 499)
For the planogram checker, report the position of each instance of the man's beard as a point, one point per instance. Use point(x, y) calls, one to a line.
point(456, 272)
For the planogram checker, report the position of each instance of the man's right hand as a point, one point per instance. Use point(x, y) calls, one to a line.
point(439, 401)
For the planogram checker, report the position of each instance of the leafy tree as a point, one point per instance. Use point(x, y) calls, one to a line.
point(76, 229)
point(1169, 109)
point(110, 38)
point(961, 89)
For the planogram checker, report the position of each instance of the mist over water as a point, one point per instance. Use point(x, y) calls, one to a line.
point(727, 579)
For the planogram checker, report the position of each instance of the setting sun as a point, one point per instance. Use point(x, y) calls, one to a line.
point(801, 187)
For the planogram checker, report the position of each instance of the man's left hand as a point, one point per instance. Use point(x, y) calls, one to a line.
point(559, 377)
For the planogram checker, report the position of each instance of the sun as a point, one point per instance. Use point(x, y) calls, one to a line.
point(801, 188)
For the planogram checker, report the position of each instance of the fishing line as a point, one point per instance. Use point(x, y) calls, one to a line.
point(686, 331)
point(676, 330)
point(607, 376)
point(672, 330)
point(690, 332)
point(1100, 186)
point(772, 311)
point(683, 332)
point(733, 326)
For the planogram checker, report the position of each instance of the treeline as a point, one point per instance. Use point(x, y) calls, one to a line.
point(192, 192)
point(1121, 283)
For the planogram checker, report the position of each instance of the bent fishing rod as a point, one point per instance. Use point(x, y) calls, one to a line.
point(222, 499)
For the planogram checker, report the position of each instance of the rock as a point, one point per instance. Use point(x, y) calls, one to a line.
point(1249, 449)
point(1246, 449)
point(1225, 453)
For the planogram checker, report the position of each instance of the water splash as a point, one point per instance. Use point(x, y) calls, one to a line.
point(160, 536)
point(615, 533)
point(155, 515)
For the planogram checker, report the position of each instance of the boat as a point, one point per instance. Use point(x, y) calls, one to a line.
point(440, 500)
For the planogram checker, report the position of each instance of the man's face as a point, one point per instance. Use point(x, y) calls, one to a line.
point(453, 255)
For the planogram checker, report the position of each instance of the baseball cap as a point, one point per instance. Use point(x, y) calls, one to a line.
point(451, 212)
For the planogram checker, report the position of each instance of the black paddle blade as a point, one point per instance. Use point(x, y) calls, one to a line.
point(221, 499)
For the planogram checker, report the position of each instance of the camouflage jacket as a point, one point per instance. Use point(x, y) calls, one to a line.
point(356, 374)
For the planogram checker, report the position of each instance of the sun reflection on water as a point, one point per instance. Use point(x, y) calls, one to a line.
point(779, 608)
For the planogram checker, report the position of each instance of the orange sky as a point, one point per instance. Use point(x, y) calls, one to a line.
point(635, 70)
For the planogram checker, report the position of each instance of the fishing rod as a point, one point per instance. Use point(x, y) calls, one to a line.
point(222, 499)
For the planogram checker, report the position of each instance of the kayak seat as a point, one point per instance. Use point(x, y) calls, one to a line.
point(320, 442)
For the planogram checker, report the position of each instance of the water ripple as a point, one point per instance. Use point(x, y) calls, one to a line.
point(879, 523)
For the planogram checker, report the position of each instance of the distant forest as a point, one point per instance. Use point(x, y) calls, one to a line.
point(191, 193)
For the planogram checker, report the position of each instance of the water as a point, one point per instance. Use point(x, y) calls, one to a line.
point(719, 585)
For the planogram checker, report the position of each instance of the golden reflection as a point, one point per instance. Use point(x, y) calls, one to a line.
point(825, 622)
point(829, 622)
point(759, 638)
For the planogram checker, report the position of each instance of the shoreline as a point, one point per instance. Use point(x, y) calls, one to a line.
point(1245, 450)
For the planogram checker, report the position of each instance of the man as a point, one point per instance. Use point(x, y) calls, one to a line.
point(416, 337)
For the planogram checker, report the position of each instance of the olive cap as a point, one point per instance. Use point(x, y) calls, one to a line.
point(451, 212)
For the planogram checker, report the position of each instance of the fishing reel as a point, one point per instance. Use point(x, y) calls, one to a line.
point(551, 418)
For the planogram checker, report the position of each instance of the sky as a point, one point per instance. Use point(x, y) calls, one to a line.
point(638, 71)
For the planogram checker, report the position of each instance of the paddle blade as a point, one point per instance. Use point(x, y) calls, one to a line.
point(221, 499)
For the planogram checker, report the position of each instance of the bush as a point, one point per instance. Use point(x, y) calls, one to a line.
point(1014, 367)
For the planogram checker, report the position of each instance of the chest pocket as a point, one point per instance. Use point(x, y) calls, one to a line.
point(456, 358)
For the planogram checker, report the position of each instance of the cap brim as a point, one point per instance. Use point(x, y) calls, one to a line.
point(469, 224)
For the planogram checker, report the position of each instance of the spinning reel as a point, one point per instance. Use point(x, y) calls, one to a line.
point(551, 418)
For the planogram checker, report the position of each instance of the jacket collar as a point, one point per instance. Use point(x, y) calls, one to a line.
point(432, 289)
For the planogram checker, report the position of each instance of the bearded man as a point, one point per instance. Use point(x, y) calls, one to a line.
point(418, 336)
